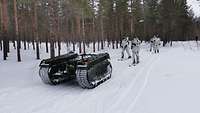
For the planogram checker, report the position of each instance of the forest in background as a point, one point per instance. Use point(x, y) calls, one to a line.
point(82, 22)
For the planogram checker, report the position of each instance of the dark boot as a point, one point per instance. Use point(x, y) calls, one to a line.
point(138, 61)
point(134, 62)
point(122, 56)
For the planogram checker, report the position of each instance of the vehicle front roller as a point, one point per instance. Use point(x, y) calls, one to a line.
point(44, 75)
point(50, 75)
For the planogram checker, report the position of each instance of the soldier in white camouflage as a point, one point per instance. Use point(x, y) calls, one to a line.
point(156, 44)
point(151, 43)
point(135, 47)
point(125, 47)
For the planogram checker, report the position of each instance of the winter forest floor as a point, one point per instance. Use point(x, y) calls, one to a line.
point(168, 82)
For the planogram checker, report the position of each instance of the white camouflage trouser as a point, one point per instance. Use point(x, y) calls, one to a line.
point(135, 56)
point(127, 51)
point(156, 48)
point(151, 46)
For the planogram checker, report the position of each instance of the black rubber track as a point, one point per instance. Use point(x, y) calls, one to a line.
point(82, 78)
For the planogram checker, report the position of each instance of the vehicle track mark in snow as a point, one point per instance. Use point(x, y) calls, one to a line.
point(131, 85)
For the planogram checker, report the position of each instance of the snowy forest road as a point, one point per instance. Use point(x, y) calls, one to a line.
point(167, 82)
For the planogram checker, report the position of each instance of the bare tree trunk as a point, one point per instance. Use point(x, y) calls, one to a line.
point(28, 45)
point(171, 43)
point(93, 28)
point(102, 33)
point(113, 44)
point(78, 32)
point(24, 44)
point(52, 20)
point(7, 45)
point(47, 49)
point(102, 45)
point(35, 26)
point(98, 45)
point(94, 48)
point(72, 36)
point(74, 46)
point(117, 44)
point(59, 47)
point(37, 51)
point(93, 35)
point(83, 34)
point(58, 35)
point(4, 23)
point(84, 44)
point(33, 44)
point(80, 47)
point(52, 51)
point(24, 30)
point(17, 31)
point(1, 45)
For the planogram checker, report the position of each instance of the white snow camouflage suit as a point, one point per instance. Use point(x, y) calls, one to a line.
point(125, 47)
point(156, 44)
point(151, 44)
point(135, 47)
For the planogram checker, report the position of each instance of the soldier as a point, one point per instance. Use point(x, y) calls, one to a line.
point(156, 44)
point(135, 47)
point(125, 47)
point(151, 43)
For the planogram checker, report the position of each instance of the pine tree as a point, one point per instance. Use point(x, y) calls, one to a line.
point(175, 20)
point(137, 18)
point(35, 27)
point(151, 17)
point(5, 21)
point(17, 30)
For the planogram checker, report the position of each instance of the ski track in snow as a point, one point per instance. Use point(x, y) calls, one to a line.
point(128, 90)
point(140, 91)
point(130, 96)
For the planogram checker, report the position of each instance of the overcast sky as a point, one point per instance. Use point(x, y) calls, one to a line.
point(195, 5)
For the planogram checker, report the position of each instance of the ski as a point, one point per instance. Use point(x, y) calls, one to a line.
point(131, 65)
point(123, 59)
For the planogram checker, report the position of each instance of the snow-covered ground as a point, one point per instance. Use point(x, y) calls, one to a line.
point(168, 82)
